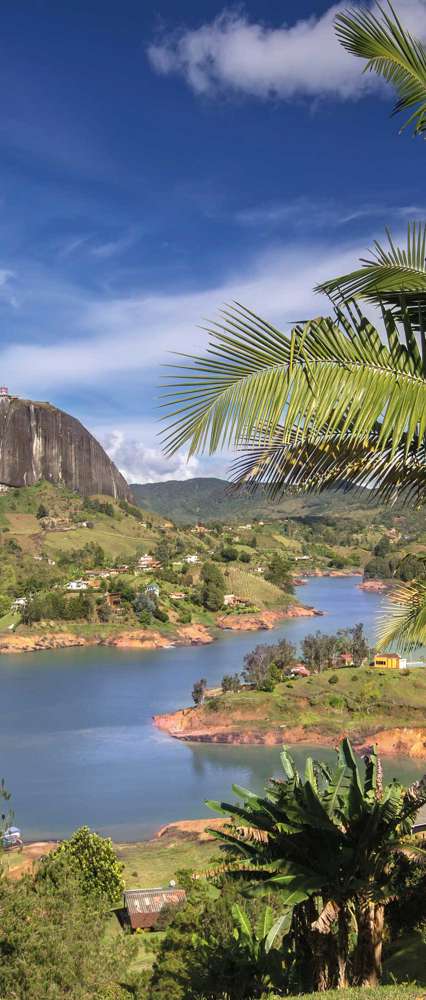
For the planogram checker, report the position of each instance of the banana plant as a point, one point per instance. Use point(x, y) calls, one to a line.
point(324, 842)
point(260, 968)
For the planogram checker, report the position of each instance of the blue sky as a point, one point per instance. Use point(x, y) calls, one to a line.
point(159, 159)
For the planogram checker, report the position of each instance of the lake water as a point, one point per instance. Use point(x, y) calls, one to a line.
point(77, 744)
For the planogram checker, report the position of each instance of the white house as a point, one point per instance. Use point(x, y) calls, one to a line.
point(147, 562)
point(77, 585)
point(19, 604)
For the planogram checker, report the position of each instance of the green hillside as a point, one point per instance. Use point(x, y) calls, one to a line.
point(209, 499)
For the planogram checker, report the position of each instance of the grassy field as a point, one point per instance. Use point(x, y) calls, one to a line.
point(356, 701)
point(252, 587)
point(155, 862)
point(398, 992)
point(10, 619)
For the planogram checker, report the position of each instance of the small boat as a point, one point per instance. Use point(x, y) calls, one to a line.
point(11, 838)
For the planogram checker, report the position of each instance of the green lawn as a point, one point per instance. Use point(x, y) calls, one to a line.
point(405, 960)
point(153, 863)
point(10, 619)
point(380, 993)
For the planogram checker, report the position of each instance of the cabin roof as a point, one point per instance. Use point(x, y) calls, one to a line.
point(144, 905)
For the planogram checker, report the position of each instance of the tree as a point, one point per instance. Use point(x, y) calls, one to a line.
point(330, 404)
point(103, 611)
point(264, 666)
point(383, 547)
point(278, 572)
point(93, 861)
point(320, 651)
point(228, 553)
point(54, 943)
point(360, 648)
point(325, 843)
point(199, 691)
point(213, 587)
point(256, 667)
point(162, 552)
point(231, 683)
point(42, 511)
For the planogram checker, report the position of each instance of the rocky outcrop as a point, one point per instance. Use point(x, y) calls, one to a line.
point(196, 726)
point(264, 619)
point(185, 635)
point(36, 643)
point(375, 586)
point(407, 741)
point(38, 441)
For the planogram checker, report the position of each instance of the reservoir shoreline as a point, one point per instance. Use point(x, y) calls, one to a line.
point(195, 634)
point(78, 746)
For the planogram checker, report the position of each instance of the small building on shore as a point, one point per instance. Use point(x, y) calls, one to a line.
point(299, 670)
point(144, 906)
point(389, 661)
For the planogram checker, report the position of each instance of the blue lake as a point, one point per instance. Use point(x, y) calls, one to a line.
point(77, 744)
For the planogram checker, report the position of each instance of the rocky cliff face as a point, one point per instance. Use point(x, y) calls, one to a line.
point(38, 441)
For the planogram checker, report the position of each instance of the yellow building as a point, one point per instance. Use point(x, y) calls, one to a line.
point(389, 661)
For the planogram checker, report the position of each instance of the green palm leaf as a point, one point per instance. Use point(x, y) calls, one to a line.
point(332, 463)
point(392, 53)
point(404, 618)
point(394, 277)
point(331, 380)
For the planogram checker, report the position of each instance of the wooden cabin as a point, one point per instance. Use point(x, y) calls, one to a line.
point(145, 905)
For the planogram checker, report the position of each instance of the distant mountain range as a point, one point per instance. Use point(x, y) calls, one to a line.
point(209, 499)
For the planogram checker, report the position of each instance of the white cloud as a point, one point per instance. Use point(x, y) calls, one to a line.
point(131, 336)
point(140, 463)
point(235, 55)
point(320, 215)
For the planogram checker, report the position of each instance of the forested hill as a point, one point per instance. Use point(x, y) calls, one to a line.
point(209, 499)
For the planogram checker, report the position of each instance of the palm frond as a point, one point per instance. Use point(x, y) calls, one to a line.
point(391, 52)
point(404, 618)
point(331, 377)
point(393, 277)
point(334, 463)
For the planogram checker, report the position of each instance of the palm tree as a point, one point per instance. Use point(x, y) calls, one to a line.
point(392, 53)
point(325, 842)
point(329, 404)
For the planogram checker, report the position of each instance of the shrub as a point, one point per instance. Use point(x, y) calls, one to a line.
point(335, 701)
point(185, 617)
point(161, 616)
point(333, 679)
point(92, 859)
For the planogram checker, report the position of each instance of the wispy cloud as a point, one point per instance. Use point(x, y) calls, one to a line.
point(306, 214)
point(132, 335)
point(236, 55)
point(112, 248)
